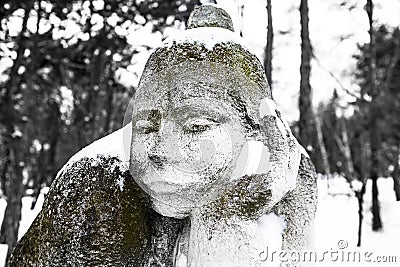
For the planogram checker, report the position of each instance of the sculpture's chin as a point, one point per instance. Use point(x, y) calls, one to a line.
point(179, 200)
point(174, 196)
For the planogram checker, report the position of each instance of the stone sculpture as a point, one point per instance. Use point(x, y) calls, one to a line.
point(214, 178)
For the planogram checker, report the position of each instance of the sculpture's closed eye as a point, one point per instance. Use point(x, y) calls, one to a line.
point(146, 127)
point(198, 125)
point(193, 125)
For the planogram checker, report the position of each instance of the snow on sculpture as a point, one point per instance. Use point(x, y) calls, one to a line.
point(216, 178)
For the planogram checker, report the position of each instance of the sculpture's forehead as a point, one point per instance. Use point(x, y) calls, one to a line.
point(195, 80)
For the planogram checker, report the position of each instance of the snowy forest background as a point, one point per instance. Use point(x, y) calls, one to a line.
point(68, 70)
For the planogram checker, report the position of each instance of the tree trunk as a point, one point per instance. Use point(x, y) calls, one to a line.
point(241, 11)
point(376, 219)
point(392, 65)
point(361, 192)
point(305, 101)
point(268, 47)
point(53, 138)
point(346, 150)
point(360, 198)
point(389, 76)
point(12, 214)
point(306, 121)
point(322, 148)
point(396, 179)
point(10, 117)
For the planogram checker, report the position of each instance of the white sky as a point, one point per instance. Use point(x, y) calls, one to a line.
point(328, 23)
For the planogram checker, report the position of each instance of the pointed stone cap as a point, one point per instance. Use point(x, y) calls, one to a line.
point(209, 38)
point(209, 16)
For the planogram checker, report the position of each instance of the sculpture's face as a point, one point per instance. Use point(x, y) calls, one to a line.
point(187, 135)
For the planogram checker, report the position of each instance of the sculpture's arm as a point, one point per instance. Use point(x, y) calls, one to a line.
point(298, 208)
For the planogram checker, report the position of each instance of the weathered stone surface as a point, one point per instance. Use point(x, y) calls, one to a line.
point(96, 215)
point(230, 55)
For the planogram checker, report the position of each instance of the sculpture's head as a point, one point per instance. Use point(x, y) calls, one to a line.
point(204, 120)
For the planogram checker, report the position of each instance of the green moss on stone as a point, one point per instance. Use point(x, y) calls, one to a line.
point(230, 54)
point(243, 201)
point(88, 220)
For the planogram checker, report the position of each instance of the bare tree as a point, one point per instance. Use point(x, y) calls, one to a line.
point(396, 177)
point(344, 147)
point(374, 141)
point(241, 12)
point(321, 145)
point(12, 169)
point(395, 160)
point(307, 129)
point(269, 45)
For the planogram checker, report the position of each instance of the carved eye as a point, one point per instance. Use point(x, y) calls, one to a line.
point(145, 127)
point(198, 125)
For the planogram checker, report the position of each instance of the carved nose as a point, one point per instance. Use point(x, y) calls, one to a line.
point(162, 148)
point(157, 159)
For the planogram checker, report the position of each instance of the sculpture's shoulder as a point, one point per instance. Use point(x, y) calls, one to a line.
point(95, 215)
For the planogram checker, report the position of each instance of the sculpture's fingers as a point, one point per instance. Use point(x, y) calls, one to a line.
point(255, 193)
point(269, 108)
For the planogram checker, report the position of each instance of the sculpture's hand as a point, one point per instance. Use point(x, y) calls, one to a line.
point(252, 195)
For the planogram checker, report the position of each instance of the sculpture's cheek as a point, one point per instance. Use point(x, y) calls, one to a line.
point(205, 154)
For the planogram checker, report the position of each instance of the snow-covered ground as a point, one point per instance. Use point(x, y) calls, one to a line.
point(336, 226)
